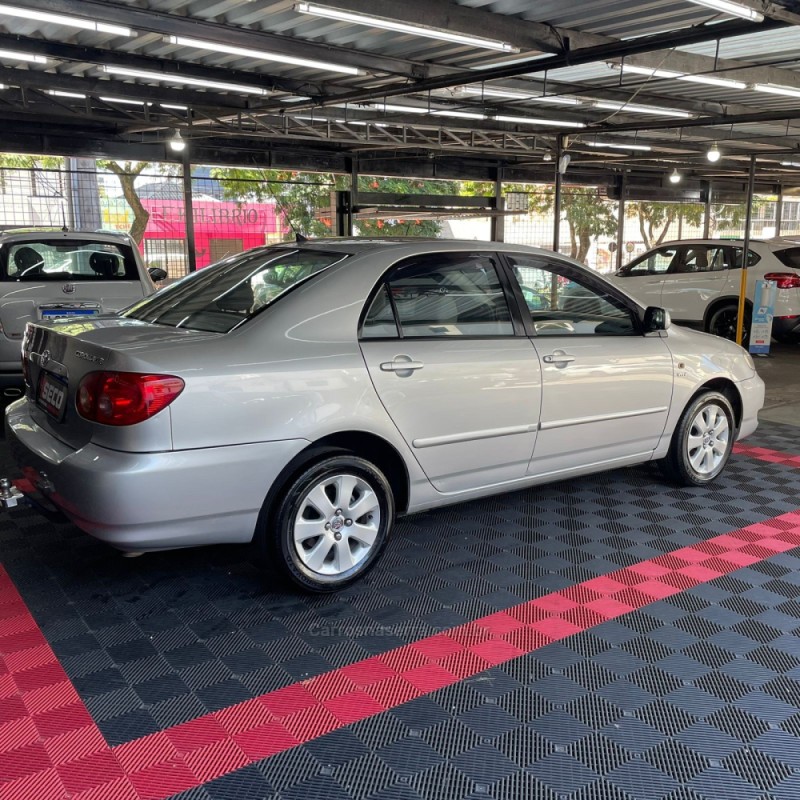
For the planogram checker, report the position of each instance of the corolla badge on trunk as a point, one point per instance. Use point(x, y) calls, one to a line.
point(89, 357)
point(68, 288)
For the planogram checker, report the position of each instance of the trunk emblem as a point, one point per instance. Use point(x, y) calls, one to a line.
point(68, 288)
point(44, 357)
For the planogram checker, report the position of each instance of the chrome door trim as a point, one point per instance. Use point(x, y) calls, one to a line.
point(564, 423)
point(472, 436)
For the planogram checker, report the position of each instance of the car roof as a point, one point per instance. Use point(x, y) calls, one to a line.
point(58, 234)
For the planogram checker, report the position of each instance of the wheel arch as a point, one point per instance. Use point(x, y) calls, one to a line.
point(727, 387)
point(724, 301)
point(369, 446)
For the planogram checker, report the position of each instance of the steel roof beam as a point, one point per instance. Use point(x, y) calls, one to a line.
point(144, 19)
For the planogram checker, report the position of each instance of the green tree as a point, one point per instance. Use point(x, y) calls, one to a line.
point(586, 214)
point(655, 219)
point(127, 172)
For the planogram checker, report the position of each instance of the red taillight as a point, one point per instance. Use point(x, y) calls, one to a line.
point(125, 398)
point(785, 280)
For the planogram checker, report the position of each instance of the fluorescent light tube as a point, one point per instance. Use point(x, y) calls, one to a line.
point(15, 55)
point(388, 107)
point(634, 108)
point(513, 94)
point(124, 101)
point(183, 79)
point(458, 114)
point(790, 163)
point(772, 88)
point(64, 19)
point(403, 27)
point(620, 146)
point(245, 52)
point(555, 99)
point(59, 93)
point(710, 80)
point(732, 8)
point(558, 123)
point(174, 107)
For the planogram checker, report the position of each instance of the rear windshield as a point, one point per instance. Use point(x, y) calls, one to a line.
point(222, 296)
point(790, 257)
point(68, 260)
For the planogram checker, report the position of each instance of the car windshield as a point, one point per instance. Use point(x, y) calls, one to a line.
point(67, 260)
point(222, 296)
point(790, 257)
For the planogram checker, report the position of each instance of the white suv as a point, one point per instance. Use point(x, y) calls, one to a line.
point(697, 281)
point(56, 274)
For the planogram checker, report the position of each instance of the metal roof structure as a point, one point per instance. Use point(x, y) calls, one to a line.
point(437, 86)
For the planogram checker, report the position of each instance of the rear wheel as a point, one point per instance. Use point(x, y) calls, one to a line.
point(332, 524)
point(702, 442)
point(722, 322)
point(786, 338)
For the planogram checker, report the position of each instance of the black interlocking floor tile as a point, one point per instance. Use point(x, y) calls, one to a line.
point(693, 698)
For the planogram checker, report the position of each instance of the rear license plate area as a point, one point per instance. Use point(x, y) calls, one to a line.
point(67, 313)
point(51, 395)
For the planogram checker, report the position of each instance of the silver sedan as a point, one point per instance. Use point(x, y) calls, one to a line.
point(300, 396)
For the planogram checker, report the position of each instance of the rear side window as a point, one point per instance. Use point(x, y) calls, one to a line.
point(441, 294)
point(222, 296)
point(790, 257)
point(68, 260)
point(752, 258)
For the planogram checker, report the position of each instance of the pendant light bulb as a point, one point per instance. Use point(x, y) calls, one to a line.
point(714, 155)
point(177, 143)
point(675, 177)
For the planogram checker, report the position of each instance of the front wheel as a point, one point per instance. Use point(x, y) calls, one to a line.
point(722, 322)
point(702, 442)
point(332, 524)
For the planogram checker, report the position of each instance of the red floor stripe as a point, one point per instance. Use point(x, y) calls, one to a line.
point(765, 454)
point(51, 748)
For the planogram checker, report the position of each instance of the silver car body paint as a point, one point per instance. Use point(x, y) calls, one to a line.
point(482, 416)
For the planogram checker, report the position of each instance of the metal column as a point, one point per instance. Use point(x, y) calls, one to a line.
point(707, 212)
point(621, 220)
point(498, 221)
point(188, 210)
point(557, 196)
point(779, 211)
point(751, 181)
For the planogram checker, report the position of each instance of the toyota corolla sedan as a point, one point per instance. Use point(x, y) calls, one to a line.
point(301, 396)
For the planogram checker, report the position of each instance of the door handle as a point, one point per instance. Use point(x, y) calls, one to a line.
point(558, 358)
point(400, 365)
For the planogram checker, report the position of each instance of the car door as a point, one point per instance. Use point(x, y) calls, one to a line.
point(606, 387)
point(453, 369)
point(698, 275)
point(643, 278)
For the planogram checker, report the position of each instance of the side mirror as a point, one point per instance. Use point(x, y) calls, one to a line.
point(157, 274)
point(656, 319)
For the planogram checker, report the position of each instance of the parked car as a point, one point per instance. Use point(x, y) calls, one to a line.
point(49, 274)
point(299, 396)
point(698, 282)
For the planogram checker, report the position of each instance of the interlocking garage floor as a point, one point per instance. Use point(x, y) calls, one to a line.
point(610, 638)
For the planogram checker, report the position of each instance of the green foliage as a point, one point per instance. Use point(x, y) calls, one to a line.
point(655, 219)
point(586, 213)
point(18, 161)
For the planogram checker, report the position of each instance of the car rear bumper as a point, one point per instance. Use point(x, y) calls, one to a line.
point(150, 501)
point(786, 326)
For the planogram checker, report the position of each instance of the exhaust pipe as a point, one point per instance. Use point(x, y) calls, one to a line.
point(12, 392)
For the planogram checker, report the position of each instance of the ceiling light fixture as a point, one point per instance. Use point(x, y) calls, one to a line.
point(558, 123)
point(713, 155)
point(59, 93)
point(635, 108)
point(675, 176)
point(620, 146)
point(185, 80)
point(174, 107)
point(389, 108)
point(403, 27)
point(15, 55)
point(177, 143)
point(773, 88)
point(724, 83)
point(548, 156)
point(790, 163)
point(488, 91)
point(261, 55)
point(458, 114)
point(124, 101)
point(731, 8)
point(64, 19)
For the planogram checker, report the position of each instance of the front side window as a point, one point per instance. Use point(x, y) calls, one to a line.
point(222, 296)
point(655, 263)
point(441, 294)
point(68, 260)
point(561, 304)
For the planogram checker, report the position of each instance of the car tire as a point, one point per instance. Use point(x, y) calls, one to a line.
point(702, 441)
point(786, 338)
point(722, 322)
point(317, 548)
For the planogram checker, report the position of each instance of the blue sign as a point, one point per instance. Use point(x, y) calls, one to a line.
point(763, 311)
